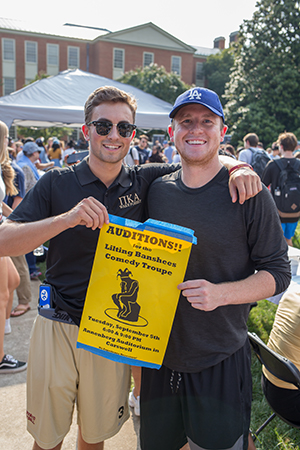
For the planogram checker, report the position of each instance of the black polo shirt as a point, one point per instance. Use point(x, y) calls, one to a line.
point(71, 253)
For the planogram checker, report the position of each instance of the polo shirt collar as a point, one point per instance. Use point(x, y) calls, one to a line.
point(86, 176)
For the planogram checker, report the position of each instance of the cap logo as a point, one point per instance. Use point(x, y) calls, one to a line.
point(194, 94)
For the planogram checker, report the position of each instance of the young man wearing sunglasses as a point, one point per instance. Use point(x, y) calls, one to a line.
point(68, 207)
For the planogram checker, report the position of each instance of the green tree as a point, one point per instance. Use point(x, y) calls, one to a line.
point(61, 133)
point(39, 76)
point(263, 94)
point(217, 71)
point(155, 80)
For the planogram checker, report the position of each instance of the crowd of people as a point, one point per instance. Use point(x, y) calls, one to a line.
point(196, 399)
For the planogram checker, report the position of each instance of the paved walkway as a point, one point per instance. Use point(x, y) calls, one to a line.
point(13, 434)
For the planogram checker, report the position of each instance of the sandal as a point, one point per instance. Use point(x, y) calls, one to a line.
point(19, 310)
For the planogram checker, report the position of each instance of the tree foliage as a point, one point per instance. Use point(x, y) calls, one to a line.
point(61, 133)
point(263, 94)
point(155, 80)
point(217, 71)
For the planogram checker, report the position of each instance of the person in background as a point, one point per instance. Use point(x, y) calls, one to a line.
point(132, 157)
point(287, 143)
point(24, 288)
point(82, 144)
point(43, 163)
point(176, 157)
point(9, 278)
point(284, 339)
point(27, 162)
point(69, 149)
point(275, 154)
point(55, 153)
point(19, 147)
point(142, 149)
point(168, 151)
point(230, 150)
point(157, 156)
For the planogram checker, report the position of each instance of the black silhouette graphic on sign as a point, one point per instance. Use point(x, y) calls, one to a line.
point(126, 300)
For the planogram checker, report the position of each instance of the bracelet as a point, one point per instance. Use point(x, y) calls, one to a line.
point(240, 166)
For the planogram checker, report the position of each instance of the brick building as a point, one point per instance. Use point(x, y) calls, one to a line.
point(26, 51)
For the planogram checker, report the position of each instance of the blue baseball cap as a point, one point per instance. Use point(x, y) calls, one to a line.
point(201, 96)
point(30, 147)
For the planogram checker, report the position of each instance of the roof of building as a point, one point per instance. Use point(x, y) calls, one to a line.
point(88, 33)
point(205, 51)
point(75, 32)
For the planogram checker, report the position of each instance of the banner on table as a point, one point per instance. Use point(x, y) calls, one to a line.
point(132, 294)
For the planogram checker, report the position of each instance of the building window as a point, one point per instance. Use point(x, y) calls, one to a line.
point(118, 63)
point(118, 58)
point(31, 52)
point(176, 65)
point(9, 85)
point(8, 46)
point(199, 74)
point(73, 57)
point(52, 54)
point(148, 59)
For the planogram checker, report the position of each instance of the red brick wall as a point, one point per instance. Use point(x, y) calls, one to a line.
point(42, 54)
point(102, 61)
point(100, 57)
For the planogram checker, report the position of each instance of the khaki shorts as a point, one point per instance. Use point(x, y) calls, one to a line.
point(59, 374)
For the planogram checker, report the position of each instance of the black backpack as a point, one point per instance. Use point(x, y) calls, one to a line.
point(260, 159)
point(287, 192)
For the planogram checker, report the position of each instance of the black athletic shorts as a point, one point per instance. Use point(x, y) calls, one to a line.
point(209, 409)
point(285, 402)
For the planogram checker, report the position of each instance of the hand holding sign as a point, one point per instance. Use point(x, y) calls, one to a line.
point(132, 295)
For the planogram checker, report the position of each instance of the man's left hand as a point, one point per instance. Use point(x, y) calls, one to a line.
point(202, 294)
point(244, 183)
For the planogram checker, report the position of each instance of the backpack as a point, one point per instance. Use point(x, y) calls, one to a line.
point(287, 192)
point(141, 156)
point(260, 159)
point(131, 154)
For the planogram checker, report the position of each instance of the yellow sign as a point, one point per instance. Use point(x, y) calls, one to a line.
point(132, 294)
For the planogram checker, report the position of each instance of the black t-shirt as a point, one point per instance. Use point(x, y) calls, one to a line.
point(233, 242)
point(71, 253)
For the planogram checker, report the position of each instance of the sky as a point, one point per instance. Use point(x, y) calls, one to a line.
point(195, 22)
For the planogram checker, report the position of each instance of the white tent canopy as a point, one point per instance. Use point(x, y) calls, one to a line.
point(59, 101)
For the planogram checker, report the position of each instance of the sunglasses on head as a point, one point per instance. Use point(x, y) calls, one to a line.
point(103, 127)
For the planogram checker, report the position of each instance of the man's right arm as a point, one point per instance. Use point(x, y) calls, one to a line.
point(19, 238)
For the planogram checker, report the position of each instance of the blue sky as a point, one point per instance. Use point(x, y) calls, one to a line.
point(193, 22)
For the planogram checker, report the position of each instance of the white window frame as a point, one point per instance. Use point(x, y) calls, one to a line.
point(73, 66)
point(13, 49)
point(5, 80)
point(49, 56)
point(176, 66)
point(145, 55)
point(118, 70)
point(122, 51)
point(35, 46)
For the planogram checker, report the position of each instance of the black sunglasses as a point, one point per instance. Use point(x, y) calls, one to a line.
point(103, 127)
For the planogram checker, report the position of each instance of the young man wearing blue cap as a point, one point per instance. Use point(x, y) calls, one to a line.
point(202, 393)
